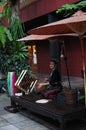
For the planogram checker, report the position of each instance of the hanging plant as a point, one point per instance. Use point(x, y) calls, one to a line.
point(68, 9)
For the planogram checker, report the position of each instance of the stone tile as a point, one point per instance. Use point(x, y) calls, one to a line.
point(16, 118)
point(76, 82)
point(3, 122)
point(4, 101)
point(35, 127)
point(0, 118)
point(9, 127)
point(8, 115)
point(26, 123)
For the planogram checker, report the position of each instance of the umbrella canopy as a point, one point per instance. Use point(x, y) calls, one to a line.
point(75, 23)
point(34, 37)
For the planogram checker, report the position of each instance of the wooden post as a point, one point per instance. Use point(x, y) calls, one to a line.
point(83, 64)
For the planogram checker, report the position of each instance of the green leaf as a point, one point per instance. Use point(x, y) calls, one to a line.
point(69, 9)
point(7, 12)
point(16, 28)
point(1, 16)
point(9, 36)
point(4, 34)
point(2, 2)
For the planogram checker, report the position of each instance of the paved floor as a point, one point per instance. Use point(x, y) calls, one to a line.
point(75, 82)
point(17, 121)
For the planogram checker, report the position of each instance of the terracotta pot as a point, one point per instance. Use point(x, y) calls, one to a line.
point(70, 96)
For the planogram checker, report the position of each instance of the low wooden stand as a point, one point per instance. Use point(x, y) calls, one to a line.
point(56, 110)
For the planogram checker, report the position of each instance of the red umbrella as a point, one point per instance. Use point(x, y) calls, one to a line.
point(34, 37)
point(74, 24)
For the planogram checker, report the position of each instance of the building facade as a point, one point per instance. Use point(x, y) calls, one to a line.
point(41, 12)
point(35, 13)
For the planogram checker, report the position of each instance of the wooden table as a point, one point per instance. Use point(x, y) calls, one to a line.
point(56, 110)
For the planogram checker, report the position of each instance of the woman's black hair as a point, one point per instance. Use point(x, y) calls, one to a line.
point(54, 60)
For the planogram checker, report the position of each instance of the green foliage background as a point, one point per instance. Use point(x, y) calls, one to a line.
point(13, 54)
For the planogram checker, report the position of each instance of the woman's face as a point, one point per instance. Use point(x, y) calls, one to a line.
point(52, 65)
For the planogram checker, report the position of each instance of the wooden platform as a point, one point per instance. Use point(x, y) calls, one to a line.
point(54, 109)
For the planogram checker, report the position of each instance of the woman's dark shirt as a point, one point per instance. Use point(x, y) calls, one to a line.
point(55, 78)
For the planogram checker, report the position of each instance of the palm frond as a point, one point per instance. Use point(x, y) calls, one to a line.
point(2, 38)
point(7, 12)
point(7, 32)
point(4, 34)
point(16, 28)
point(1, 15)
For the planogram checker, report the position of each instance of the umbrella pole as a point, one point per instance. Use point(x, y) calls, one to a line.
point(83, 65)
point(65, 59)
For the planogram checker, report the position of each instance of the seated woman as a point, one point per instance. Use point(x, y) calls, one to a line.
point(52, 85)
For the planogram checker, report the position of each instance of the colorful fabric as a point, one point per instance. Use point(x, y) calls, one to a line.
point(51, 92)
point(11, 79)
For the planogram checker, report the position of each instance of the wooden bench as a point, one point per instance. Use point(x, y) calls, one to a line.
point(54, 109)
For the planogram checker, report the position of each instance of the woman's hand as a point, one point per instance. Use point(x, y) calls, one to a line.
point(45, 79)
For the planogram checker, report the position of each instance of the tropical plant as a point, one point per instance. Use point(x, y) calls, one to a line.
point(4, 35)
point(68, 9)
point(14, 55)
point(13, 59)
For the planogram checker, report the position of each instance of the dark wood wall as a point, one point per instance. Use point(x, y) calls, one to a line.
point(42, 7)
point(43, 56)
point(74, 57)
